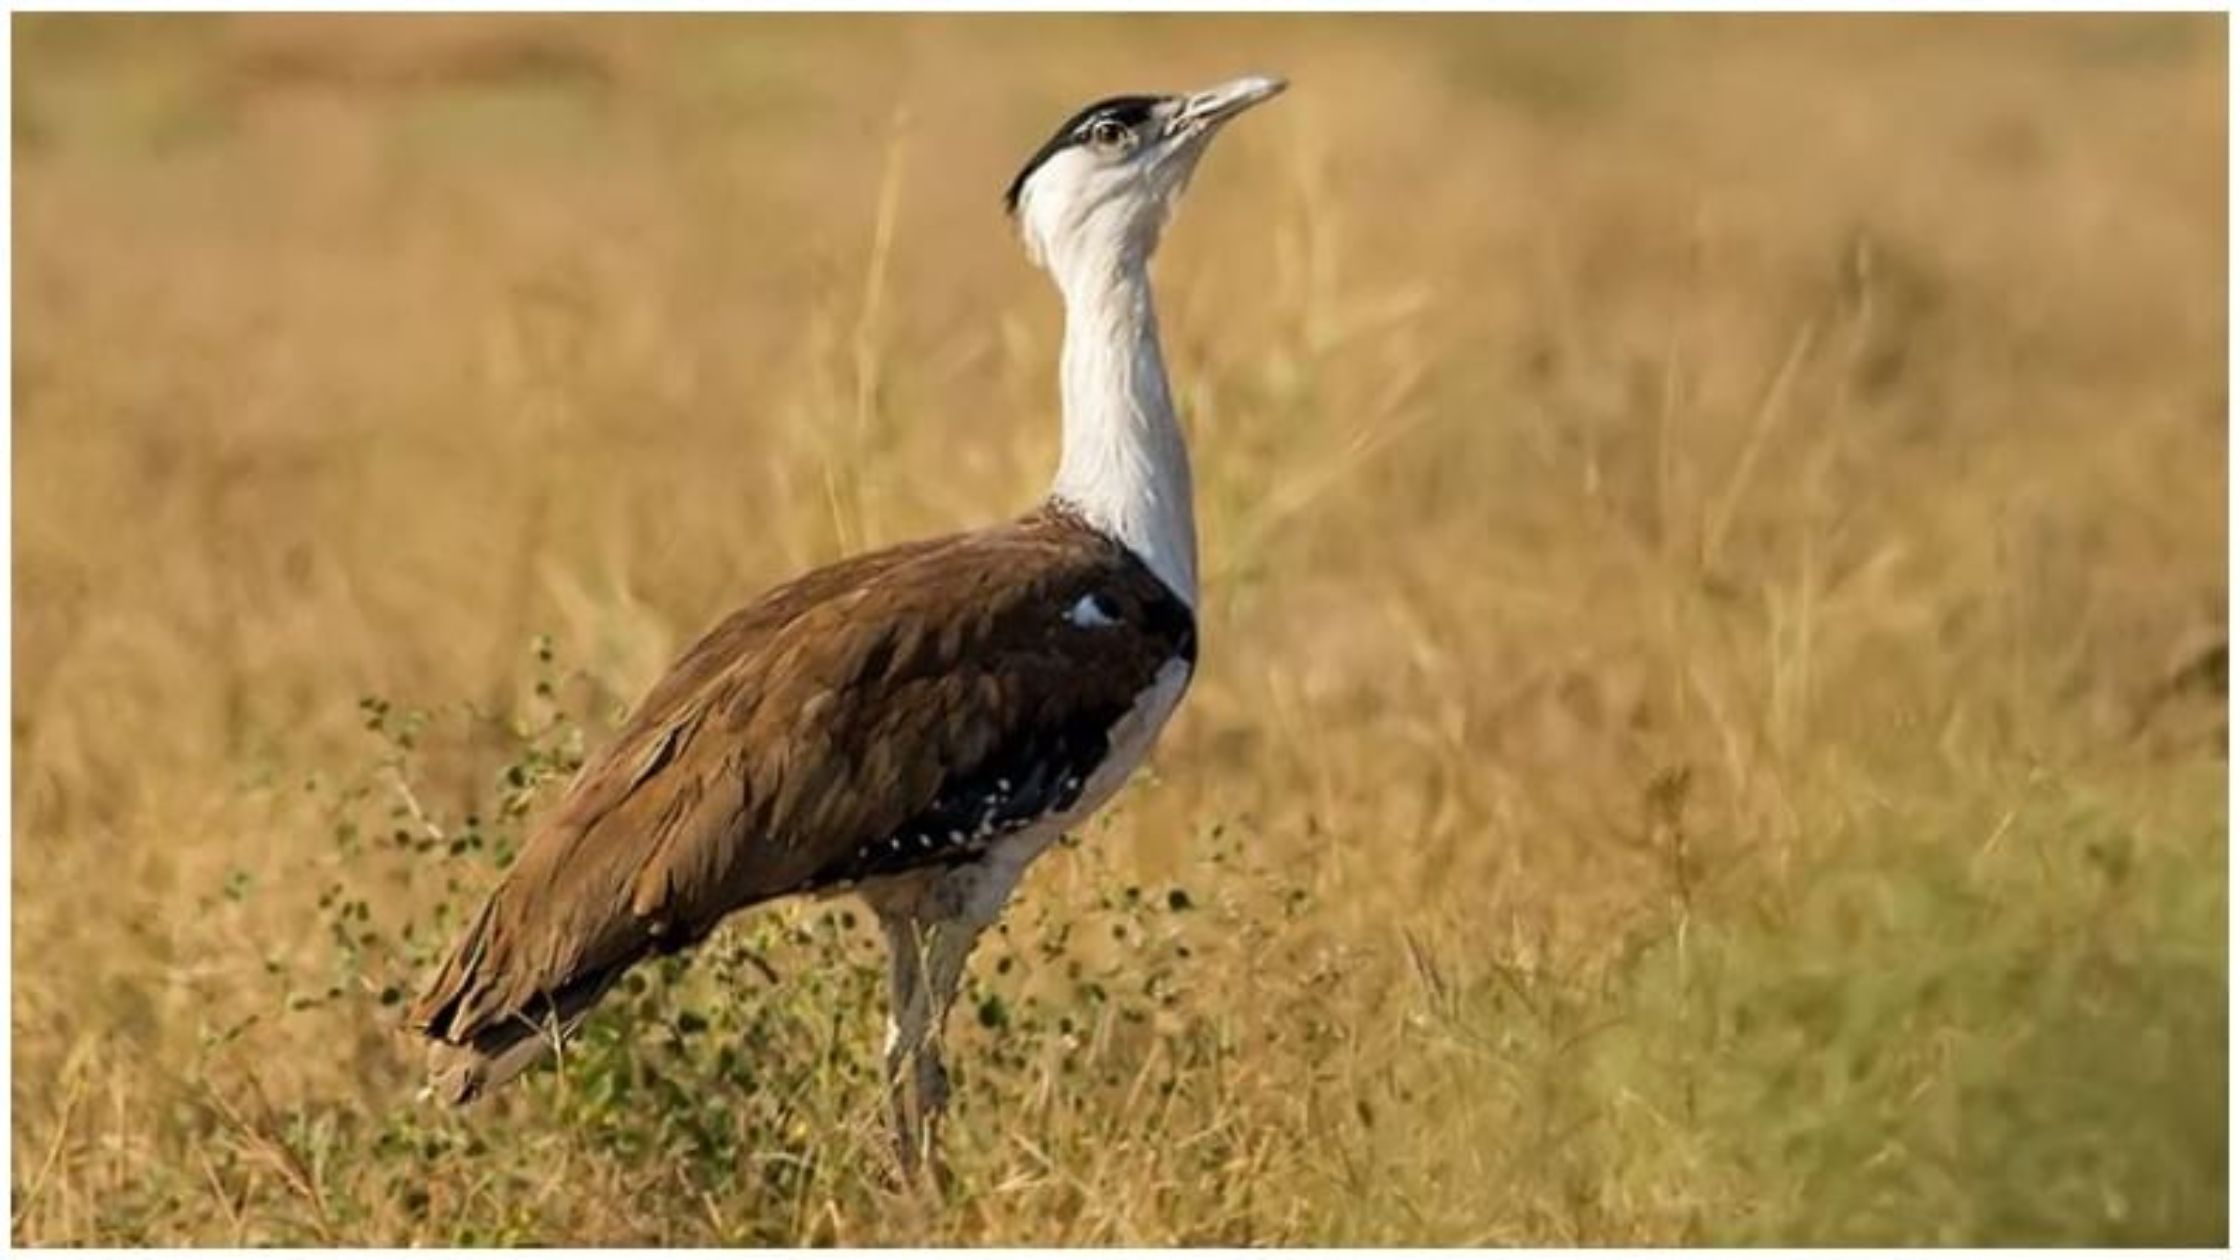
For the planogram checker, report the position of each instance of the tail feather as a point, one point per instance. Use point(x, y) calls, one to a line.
point(487, 1021)
point(458, 1074)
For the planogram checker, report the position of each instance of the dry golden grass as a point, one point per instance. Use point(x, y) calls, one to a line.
point(1712, 723)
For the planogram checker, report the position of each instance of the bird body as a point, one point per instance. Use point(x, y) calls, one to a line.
point(923, 707)
point(915, 724)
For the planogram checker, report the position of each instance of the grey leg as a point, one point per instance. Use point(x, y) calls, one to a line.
point(909, 1032)
point(930, 929)
point(926, 966)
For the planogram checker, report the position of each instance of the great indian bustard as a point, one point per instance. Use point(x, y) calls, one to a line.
point(915, 724)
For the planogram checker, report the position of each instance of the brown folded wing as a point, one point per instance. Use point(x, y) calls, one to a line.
point(801, 743)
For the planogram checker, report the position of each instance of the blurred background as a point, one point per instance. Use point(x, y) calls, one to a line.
point(1712, 724)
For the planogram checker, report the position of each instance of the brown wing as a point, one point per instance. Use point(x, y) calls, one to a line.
point(796, 745)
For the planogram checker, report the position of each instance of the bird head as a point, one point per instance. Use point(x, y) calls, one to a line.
point(1101, 188)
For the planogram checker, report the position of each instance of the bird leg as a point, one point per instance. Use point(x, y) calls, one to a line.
point(926, 966)
point(928, 940)
point(908, 1033)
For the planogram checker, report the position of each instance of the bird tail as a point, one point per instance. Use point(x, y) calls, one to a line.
point(459, 1074)
point(486, 1025)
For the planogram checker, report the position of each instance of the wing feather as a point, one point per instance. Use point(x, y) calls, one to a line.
point(891, 690)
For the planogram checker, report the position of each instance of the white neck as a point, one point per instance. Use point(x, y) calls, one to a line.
point(1124, 467)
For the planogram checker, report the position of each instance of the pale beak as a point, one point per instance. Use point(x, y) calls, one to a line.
point(1202, 111)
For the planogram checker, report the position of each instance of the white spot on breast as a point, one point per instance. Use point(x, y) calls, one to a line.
point(1129, 740)
point(1089, 613)
point(976, 890)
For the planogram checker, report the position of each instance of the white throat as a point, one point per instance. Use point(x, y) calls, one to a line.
point(1124, 467)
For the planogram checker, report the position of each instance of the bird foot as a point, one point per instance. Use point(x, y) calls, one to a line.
point(921, 1102)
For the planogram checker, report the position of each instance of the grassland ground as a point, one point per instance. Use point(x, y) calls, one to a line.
point(1712, 722)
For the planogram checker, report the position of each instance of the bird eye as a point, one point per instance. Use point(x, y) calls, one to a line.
point(1104, 133)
